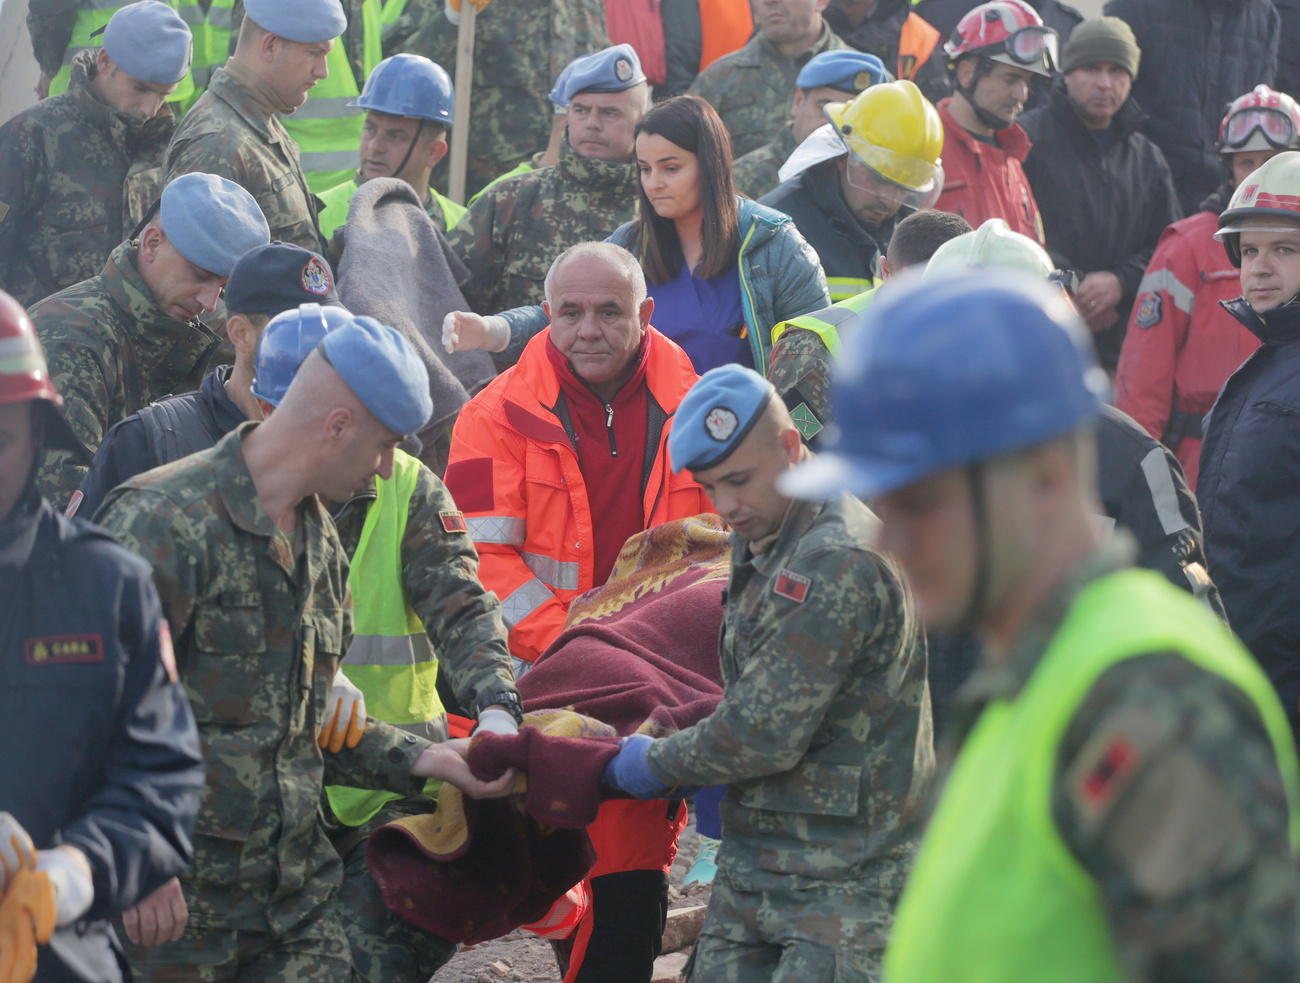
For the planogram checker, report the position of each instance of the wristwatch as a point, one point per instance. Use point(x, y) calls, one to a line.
point(507, 698)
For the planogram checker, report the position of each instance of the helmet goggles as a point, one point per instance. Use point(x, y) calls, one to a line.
point(1274, 125)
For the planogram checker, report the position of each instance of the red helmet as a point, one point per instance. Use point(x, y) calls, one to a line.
point(1009, 31)
point(1262, 119)
point(24, 375)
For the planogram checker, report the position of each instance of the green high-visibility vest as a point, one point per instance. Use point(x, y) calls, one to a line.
point(93, 17)
point(393, 9)
point(211, 27)
point(327, 131)
point(390, 660)
point(826, 323)
point(995, 894)
point(334, 211)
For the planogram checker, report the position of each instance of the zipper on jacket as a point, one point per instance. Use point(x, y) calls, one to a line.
point(609, 429)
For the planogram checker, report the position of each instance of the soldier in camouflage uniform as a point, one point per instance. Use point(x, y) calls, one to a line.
point(1122, 796)
point(259, 608)
point(79, 171)
point(233, 130)
point(520, 225)
point(131, 335)
point(832, 76)
point(520, 47)
point(823, 733)
point(751, 88)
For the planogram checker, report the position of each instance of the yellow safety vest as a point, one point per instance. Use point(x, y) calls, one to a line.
point(327, 131)
point(826, 323)
point(995, 894)
point(390, 660)
point(95, 17)
point(211, 30)
point(335, 201)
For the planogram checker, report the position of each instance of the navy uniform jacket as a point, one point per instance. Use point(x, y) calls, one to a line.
point(101, 750)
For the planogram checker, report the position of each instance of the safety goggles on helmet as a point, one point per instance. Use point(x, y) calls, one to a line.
point(894, 178)
point(1031, 45)
point(1274, 126)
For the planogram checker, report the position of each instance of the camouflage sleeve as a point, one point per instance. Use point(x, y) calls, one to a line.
point(21, 187)
point(797, 657)
point(50, 24)
point(79, 376)
point(382, 759)
point(1168, 791)
point(800, 369)
point(440, 567)
point(479, 247)
point(149, 524)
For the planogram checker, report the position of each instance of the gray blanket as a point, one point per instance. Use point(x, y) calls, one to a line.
point(397, 268)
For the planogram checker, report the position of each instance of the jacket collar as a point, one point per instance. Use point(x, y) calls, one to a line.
point(758, 51)
point(224, 86)
point(798, 520)
point(823, 186)
point(1125, 122)
point(1013, 141)
point(596, 175)
point(1275, 327)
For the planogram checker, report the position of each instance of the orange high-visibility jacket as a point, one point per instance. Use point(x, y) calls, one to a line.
point(514, 474)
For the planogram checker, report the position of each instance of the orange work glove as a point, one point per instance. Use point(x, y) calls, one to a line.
point(345, 716)
point(27, 916)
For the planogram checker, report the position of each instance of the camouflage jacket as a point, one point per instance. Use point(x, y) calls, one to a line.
point(440, 573)
point(756, 173)
point(111, 351)
point(1186, 832)
point(516, 228)
point(229, 133)
point(520, 47)
point(50, 24)
point(75, 179)
point(752, 88)
point(260, 620)
point(823, 733)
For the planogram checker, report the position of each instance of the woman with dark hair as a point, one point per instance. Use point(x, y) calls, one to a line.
point(722, 270)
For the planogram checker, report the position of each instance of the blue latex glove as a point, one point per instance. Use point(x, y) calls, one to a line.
point(629, 772)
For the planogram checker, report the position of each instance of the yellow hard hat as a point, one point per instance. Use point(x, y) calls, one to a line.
point(896, 132)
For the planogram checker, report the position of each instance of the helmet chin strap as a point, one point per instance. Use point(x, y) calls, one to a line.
point(410, 149)
point(982, 68)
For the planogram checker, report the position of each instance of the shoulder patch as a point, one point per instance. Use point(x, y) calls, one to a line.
point(792, 585)
point(166, 652)
point(55, 650)
point(74, 503)
point(1102, 771)
point(805, 421)
point(453, 521)
point(1149, 310)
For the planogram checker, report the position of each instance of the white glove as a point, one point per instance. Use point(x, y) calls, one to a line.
point(17, 852)
point(69, 873)
point(465, 331)
point(494, 721)
point(345, 715)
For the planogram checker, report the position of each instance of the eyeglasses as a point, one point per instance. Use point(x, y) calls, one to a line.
point(1273, 125)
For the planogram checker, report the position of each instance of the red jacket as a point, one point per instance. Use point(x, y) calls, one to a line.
point(514, 473)
point(1181, 346)
point(983, 182)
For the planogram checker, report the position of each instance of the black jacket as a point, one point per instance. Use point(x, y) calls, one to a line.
point(1197, 56)
point(1288, 50)
point(1104, 196)
point(848, 250)
point(878, 35)
point(101, 747)
point(1249, 487)
point(132, 446)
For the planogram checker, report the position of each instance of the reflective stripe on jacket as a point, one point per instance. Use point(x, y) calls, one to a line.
point(390, 659)
point(514, 473)
point(1181, 345)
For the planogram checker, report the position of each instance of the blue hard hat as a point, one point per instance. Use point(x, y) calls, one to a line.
point(286, 342)
point(408, 85)
point(947, 371)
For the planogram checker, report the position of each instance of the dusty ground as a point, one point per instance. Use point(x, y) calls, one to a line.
point(523, 958)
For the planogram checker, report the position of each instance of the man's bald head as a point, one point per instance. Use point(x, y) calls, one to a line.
point(619, 261)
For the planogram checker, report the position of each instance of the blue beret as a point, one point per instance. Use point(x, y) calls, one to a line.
point(278, 277)
point(211, 221)
point(716, 415)
point(383, 370)
point(149, 41)
point(612, 70)
point(309, 21)
point(559, 95)
point(851, 71)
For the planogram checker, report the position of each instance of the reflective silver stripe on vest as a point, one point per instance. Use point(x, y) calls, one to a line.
point(507, 530)
point(1180, 293)
point(1163, 494)
point(524, 600)
point(332, 160)
point(323, 107)
point(557, 573)
point(837, 317)
point(389, 650)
